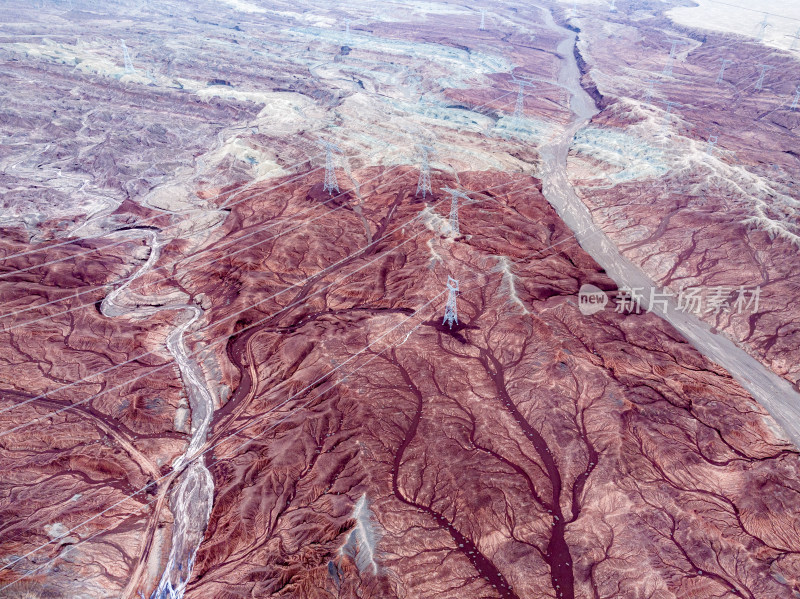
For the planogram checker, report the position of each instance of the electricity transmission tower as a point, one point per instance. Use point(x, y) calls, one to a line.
point(483, 19)
point(347, 32)
point(454, 195)
point(424, 183)
point(712, 141)
point(450, 310)
point(454, 214)
point(129, 70)
point(519, 108)
point(330, 170)
point(796, 37)
point(764, 69)
point(763, 25)
point(648, 92)
point(671, 60)
point(613, 7)
point(721, 76)
point(667, 115)
point(796, 98)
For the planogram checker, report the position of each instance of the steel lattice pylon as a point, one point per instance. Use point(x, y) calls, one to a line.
point(129, 70)
point(764, 69)
point(519, 108)
point(721, 76)
point(667, 72)
point(450, 310)
point(650, 89)
point(670, 105)
point(454, 195)
point(763, 26)
point(796, 38)
point(712, 141)
point(331, 184)
point(347, 37)
point(424, 183)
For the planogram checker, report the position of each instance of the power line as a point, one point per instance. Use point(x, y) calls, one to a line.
point(763, 12)
point(121, 364)
point(209, 344)
point(140, 356)
point(152, 483)
point(384, 350)
point(570, 237)
point(127, 279)
point(193, 210)
point(183, 464)
point(128, 227)
point(151, 219)
point(567, 238)
point(225, 337)
point(194, 267)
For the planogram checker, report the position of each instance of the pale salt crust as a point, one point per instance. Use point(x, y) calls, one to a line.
point(742, 17)
point(746, 21)
point(243, 6)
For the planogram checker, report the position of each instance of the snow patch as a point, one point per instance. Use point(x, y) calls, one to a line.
point(55, 530)
point(435, 256)
point(434, 222)
point(243, 6)
point(463, 66)
point(362, 542)
point(532, 131)
point(769, 204)
point(508, 285)
point(762, 200)
point(635, 158)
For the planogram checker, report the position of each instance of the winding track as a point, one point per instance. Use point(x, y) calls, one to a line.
point(774, 393)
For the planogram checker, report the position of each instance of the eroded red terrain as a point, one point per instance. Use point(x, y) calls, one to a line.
point(724, 217)
point(88, 409)
point(358, 447)
point(529, 451)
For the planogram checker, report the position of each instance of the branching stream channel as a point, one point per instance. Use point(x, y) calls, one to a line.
point(191, 497)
